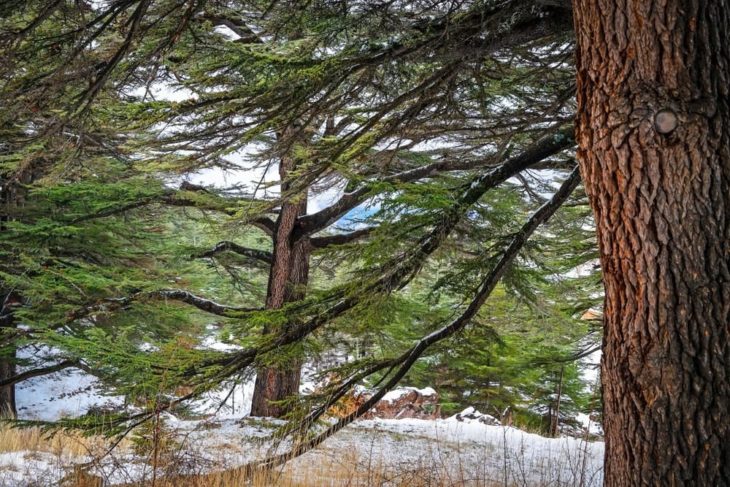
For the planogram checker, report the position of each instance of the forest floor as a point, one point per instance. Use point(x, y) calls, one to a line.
point(379, 452)
point(370, 452)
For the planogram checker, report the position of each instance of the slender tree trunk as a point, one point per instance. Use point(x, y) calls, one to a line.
point(288, 278)
point(8, 301)
point(555, 423)
point(654, 137)
point(7, 365)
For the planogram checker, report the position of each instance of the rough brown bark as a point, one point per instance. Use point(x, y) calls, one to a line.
point(279, 383)
point(288, 278)
point(654, 136)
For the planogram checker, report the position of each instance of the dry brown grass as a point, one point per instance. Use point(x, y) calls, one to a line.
point(346, 472)
point(61, 444)
point(67, 448)
point(328, 468)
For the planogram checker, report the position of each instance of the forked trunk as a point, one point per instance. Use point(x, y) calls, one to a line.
point(654, 137)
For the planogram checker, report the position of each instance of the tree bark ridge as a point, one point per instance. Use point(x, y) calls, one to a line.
point(654, 136)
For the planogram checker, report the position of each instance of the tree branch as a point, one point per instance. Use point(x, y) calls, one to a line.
point(226, 246)
point(29, 374)
point(265, 224)
point(181, 295)
point(339, 239)
point(201, 303)
point(180, 198)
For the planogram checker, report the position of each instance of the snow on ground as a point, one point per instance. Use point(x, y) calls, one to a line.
point(69, 392)
point(490, 453)
point(25, 468)
point(230, 401)
point(396, 394)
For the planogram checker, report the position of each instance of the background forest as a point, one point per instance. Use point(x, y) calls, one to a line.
point(316, 198)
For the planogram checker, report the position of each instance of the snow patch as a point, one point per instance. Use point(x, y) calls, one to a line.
point(67, 393)
point(470, 414)
point(397, 394)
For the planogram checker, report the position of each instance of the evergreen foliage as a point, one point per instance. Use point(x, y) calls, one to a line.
point(441, 128)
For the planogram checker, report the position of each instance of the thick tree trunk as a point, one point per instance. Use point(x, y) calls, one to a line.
point(288, 278)
point(279, 383)
point(654, 137)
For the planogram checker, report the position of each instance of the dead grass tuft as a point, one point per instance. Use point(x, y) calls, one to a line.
point(59, 444)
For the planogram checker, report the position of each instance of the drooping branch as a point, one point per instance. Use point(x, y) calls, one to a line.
point(184, 198)
point(226, 246)
point(201, 303)
point(410, 357)
point(41, 371)
point(181, 295)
